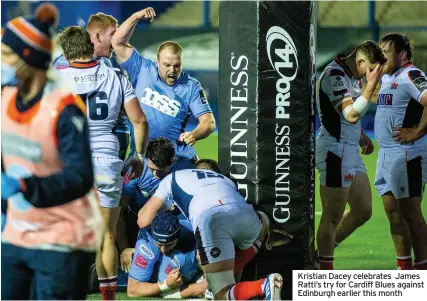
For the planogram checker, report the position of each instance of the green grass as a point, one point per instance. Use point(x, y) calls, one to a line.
point(368, 248)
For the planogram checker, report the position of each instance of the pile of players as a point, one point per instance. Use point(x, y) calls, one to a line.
point(164, 215)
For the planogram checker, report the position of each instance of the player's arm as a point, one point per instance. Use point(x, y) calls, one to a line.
point(159, 202)
point(200, 108)
point(120, 40)
point(136, 116)
point(76, 176)
point(416, 87)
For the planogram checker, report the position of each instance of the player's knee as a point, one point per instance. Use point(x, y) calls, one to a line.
point(220, 281)
point(363, 215)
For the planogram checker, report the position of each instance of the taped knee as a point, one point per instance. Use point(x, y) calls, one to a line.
point(218, 281)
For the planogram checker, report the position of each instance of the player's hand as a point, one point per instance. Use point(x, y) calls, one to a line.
point(188, 138)
point(366, 144)
point(199, 289)
point(147, 14)
point(405, 135)
point(126, 259)
point(174, 279)
point(133, 168)
point(374, 76)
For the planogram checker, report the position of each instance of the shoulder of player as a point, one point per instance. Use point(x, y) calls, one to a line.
point(186, 79)
point(411, 73)
point(183, 163)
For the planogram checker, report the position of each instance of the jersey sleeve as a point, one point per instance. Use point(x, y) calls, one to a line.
point(143, 262)
point(416, 86)
point(334, 86)
point(164, 191)
point(128, 90)
point(134, 65)
point(199, 104)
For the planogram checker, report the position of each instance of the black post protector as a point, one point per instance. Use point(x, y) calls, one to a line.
point(266, 122)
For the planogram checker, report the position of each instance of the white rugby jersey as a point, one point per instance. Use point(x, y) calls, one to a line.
point(104, 90)
point(194, 191)
point(398, 104)
point(335, 91)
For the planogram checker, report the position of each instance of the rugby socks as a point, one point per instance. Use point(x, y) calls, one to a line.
point(422, 265)
point(404, 262)
point(242, 257)
point(108, 287)
point(326, 262)
point(245, 290)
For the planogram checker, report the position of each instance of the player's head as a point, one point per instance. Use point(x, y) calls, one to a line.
point(368, 54)
point(208, 164)
point(101, 28)
point(27, 46)
point(161, 156)
point(75, 43)
point(398, 50)
point(169, 60)
point(165, 230)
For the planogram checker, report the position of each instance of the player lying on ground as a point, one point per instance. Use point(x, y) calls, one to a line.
point(343, 179)
point(105, 91)
point(221, 219)
point(167, 95)
point(401, 173)
point(101, 28)
point(164, 261)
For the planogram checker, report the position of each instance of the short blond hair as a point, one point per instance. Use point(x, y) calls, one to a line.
point(174, 47)
point(101, 21)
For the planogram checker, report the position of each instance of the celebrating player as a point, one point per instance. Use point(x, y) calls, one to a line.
point(53, 224)
point(343, 179)
point(168, 95)
point(221, 220)
point(105, 91)
point(402, 159)
point(101, 28)
point(164, 260)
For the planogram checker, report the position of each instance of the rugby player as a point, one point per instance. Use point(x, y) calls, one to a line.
point(401, 171)
point(221, 219)
point(167, 95)
point(164, 261)
point(105, 91)
point(343, 179)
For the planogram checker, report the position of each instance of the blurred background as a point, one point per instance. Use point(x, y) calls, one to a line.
point(194, 24)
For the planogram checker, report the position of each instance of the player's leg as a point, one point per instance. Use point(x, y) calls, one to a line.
point(16, 276)
point(413, 215)
point(386, 164)
point(215, 236)
point(109, 184)
point(61, 275)
point(360, 201)
point(408, 184)
point(399, 232)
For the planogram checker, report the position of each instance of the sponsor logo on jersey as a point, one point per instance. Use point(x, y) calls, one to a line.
point(215, 252)
point(348, 177)
point(337, 83)
point(59, 67)
point(89, 78)
point(394, 85)
point(203, 98)
point(168, 269)
point(385, 100)
point(146, 252)
point(141, 261)
point(160, 102)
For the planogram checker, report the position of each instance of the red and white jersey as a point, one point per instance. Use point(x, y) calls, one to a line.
point(398, 104)
point(104, 90)
point(336, 90)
